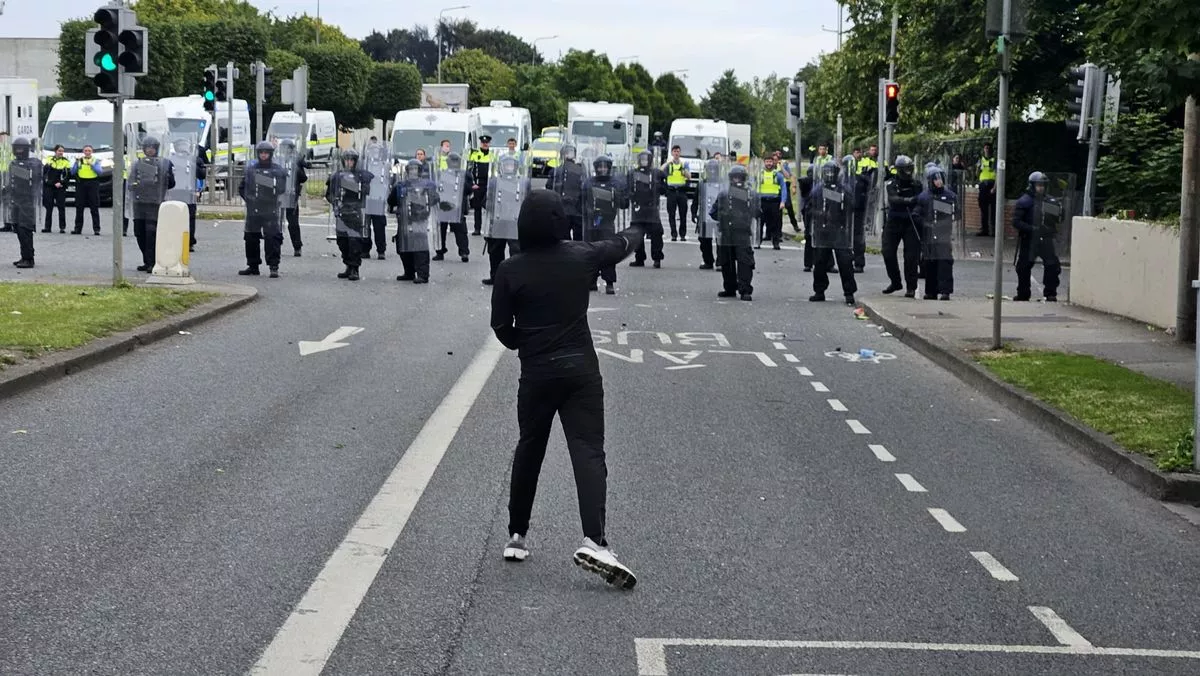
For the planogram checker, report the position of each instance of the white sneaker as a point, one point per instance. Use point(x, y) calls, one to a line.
point(516, 549)
point(602, 561)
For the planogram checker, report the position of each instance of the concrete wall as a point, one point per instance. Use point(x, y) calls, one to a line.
point(31, 57)
point(1126, 268)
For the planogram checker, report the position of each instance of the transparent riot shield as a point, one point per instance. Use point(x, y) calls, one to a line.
point(707, 189)
point(737, 207)
point(181, 149)
point(603, 204)
point(350, 193)
point(644, 185)
point(133, 150)
point(506, 192)
point(21, 183)
point(376, 160)
point(288, 158)
point(587, 149)
point(148, 181)
point(418, 215)
point(567, 180)
point(451, 186)
point(832, 209)
point(940, 215)
point(1058, 212)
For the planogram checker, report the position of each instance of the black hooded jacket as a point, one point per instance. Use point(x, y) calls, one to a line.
point(540, 296)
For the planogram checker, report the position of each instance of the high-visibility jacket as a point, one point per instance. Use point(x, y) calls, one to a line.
point(676, 174)
point(867, 164)
point(987, 168)
point(769, 185)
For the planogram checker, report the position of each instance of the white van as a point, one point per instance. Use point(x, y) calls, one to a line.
point(19, 108)
point(501, 121)
point(242, 140)
point(698, 140)
point(74, 124)
point(427, 128)
point(322, 131)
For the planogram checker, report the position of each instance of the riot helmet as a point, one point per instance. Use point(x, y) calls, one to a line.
point(935, 178)
point(829, 174)
point(412, 170)
point(182, 146)
point(454, 161)
point(1038, 180)
point(737, 176)
point(603, 166)
point(21, 147)
point(150, 146)
point(712, 170)
point(264, 148)
point(350, 156)
point(904, 167)
point(644, 159)
point(849, 166)
point(287, 144)
point(567, 152)
point(508, 166)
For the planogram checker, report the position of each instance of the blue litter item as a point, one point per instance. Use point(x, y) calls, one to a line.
point(866, 353)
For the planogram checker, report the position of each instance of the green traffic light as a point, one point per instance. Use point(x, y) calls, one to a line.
point(209, 96)
point(106, 62)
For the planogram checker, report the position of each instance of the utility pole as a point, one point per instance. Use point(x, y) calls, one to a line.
point(231, 74)
point(1001, 156)
point(886, 128)
point(839, 27)
point(1189, 223)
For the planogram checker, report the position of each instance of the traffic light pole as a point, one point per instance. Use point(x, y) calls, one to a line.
point(229, 132)
point(1001, 155)
point(118, 196)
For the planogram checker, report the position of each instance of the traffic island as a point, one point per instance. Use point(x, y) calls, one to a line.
point(51, 330)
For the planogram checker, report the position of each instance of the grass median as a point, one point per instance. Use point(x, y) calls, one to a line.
point(1145, 415)
point(40, 318)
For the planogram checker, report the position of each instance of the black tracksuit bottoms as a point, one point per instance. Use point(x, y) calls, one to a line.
point(579, 402)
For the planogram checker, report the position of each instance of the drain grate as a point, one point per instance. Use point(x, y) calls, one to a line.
point(1044, 319)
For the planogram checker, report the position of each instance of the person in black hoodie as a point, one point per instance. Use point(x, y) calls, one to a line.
point(539, 308)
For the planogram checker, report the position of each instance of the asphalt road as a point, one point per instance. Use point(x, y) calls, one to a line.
point(217, 500)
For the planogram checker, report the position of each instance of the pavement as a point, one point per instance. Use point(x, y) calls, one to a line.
point(217, 501)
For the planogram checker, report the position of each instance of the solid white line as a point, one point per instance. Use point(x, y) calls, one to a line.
point(819, 386)
point(882, 453)
point(948, 522)
point(837, 405)
point(772, 335)
point(858, 427)
point(309, 635)
point(994, 567)
point(685, 366)
point(804, 371)
point(1059, 627)
point(652, 659)
point(792, 358)
point(910, 483)
point(780, 346)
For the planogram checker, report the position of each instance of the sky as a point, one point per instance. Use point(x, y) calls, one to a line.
point(706, 39)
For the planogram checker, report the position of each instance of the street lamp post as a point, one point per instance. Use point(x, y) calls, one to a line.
point(624, 58)
point(438, 28)
point(533, 61)
point(681, 71)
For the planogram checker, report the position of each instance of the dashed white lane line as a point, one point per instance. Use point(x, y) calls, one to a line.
point(792, 358)
point(819, 386)
point(858, 427)
point(882, 453)
point(994, 567)
point(837, 405)
point(948, 522)
point(1059, 627)
point(780, 346)
point(910, 484)
point(804, 371)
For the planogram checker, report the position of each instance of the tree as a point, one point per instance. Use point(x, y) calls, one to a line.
point(413, 46)
point(588, 76)
point(303, 29)
point(488, 77)
point(392, 87)
point(727, 100)
point(535, 89)
point(218, 41)
point(816, 125)
point(676, 94)
point(282, 63)
point(72, 81)
point(504, 46)
point(164, 79)
point(645, 98)
point(337, 80)
point(770, 130)
point(196, 9)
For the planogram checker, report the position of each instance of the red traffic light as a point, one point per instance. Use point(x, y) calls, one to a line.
point(893, 90)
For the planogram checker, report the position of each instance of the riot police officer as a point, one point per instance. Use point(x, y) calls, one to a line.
point(603, 199)
point(22, 197)
point(416, 200)
point(706, 194)
point(149, 180)
point(734, 210)
point(294, 166)
point(645, 185)
point(903, 223)
point(940, 215)
point(567, 180)
point(832, 213)
point(347, 193)
point(454, 189)
point(1036, 217)
point(265, 182)
point(506, 192)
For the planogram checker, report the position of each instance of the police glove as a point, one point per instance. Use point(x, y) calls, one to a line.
point(446, 206)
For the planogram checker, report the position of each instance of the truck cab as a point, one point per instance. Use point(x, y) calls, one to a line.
point(614, 122)
point(698, 140)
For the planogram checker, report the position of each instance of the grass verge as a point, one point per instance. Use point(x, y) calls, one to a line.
point(40, 318)
point(1145, 415)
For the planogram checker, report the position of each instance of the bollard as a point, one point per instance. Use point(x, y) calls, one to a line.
point(171, 246)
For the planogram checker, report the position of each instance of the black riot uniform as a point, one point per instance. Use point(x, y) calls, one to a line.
point(939, 214)
point(506, 192)
point(22, 199)
point(603, 197)
point(1036, 218)
point(415, 199)
point(265, 182)
point(734, 211)
point(644, 185)
point(705, 226)
point(567, 180)
point(903, 225)
point(832, 214)
point(149, 179)
point(453, 219)
point(347, 193)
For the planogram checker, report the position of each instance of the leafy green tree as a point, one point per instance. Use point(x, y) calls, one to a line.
point(676, 94)
point(282, 63)
point(303, 29)
point(536, 90)
point(218, 41)
point(393, 87)
point(1150, 46)
point(72, 81)
point(729, 101)
point(505, 46)
point(488, 77)
point(337, 80)
point(770, 130)
point(166, 49)
point(1142, 170)
point(645, 98)
point(588, 76)
point(196, 9)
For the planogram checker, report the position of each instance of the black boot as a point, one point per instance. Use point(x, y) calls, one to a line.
point(252, 270)
point(353, 274)
point(344, 274)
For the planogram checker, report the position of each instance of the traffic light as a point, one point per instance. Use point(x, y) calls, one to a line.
point(135, 52)
point(1081, 95)
point(103, 53)
point(891, 95)
point(222, 90)
point(795, 105)
point(268, 83)
point(210, 88)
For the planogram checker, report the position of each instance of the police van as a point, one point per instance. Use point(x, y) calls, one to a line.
point(186, 114)
point(322, 131)
point(426, 128)
point(19, 108)
point(698, 140)
point(501, 121)
point(74, 124)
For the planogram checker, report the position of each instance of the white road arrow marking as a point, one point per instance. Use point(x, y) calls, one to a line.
point(331, 342)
